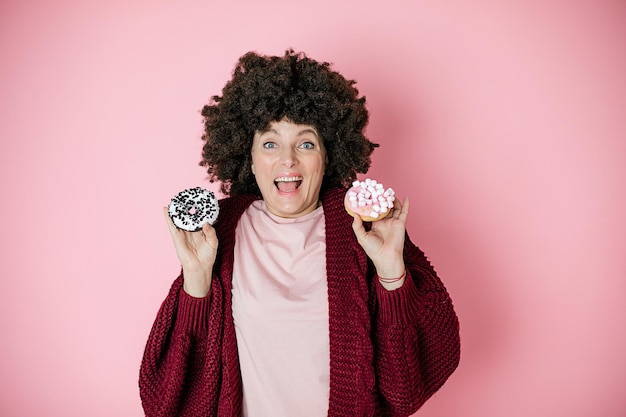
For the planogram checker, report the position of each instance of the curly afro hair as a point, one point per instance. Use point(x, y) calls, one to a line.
point(265, 89)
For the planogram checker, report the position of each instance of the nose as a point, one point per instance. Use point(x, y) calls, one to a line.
point(288, 157)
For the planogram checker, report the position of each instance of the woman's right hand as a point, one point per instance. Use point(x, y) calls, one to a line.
point(196, 252)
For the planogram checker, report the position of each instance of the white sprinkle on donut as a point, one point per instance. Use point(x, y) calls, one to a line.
point(369, 199)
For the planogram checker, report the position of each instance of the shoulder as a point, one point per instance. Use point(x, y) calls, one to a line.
point(338, 221)
point(333, 202)
point(332, 198)
point(236, 203)
point(231, 209)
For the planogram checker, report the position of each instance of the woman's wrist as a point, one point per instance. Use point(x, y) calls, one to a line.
point(392, 283)
point(196, 285)
point(390, 269)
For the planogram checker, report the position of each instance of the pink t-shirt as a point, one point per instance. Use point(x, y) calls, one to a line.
point(280, 309)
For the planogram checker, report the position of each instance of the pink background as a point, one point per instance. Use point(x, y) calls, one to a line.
point(505, 125)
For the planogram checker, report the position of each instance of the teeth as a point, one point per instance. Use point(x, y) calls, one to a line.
point(288, 179)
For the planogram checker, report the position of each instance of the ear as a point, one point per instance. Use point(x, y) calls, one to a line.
point(252, 169)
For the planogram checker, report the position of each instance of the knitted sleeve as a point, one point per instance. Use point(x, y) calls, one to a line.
point(416, 336)
point(179, 372)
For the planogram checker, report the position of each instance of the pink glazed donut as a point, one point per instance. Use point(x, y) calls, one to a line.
point(369, 199)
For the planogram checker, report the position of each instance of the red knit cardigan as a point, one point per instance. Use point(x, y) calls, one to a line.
point(389, 350)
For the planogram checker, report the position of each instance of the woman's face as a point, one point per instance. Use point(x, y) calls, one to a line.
point(288, 161)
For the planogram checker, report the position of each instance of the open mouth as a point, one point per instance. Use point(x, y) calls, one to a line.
point(288, 184)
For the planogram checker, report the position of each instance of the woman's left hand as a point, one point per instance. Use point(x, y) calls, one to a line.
point(384, 243)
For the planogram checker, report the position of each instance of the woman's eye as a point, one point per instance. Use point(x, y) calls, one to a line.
point(269, 145)
point(307, 145)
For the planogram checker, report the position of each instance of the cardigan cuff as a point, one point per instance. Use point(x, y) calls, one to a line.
point(399, 306)
point(193, 314)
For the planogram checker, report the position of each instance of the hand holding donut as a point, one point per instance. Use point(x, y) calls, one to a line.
point(384, 242)
point(189, 217)
point(196, 252)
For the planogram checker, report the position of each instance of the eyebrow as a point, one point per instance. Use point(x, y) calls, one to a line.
point(304, 131)
point(300, 133)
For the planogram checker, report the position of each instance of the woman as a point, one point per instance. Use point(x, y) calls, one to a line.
point(288, 306)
